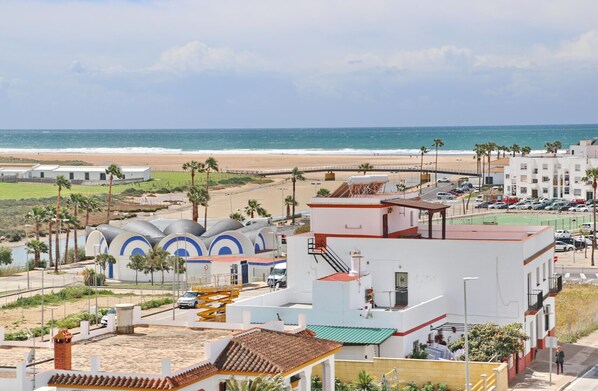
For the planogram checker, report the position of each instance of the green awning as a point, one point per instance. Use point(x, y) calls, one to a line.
point(353, 335)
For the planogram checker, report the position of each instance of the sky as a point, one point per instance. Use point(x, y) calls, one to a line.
point(272, 63)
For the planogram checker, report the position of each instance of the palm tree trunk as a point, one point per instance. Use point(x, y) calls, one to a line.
point(436, 168)
point(136, 273)
point(57, 258)
point(293, 217)
point(76, 253)
point(205, 216)
point(50, 242)
point(109, 201)
point(421, 173)
point(66, 245)
point(288, 210)
point(37, 230)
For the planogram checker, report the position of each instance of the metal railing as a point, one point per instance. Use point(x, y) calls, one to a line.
point(556, 283)
point(320, 248)
point(535, 300)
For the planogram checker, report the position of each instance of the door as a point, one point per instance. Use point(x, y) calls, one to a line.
point(401, 289)
point(234, 274)
point(244, 272)
point(385, 225)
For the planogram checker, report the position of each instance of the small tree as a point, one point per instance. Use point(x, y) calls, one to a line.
point(365, 382)
point(6, 255)
point(288, 202)
point(254, 207)
point(323, 193)
point(103, 260)
point(137, 263)
point(176, 264)
point(237, 216)
point(36, 247)
point(260, 383)
point(365, 167)
point(488, 341)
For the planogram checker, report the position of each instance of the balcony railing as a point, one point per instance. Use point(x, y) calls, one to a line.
point(555, 283)
point(535, 300)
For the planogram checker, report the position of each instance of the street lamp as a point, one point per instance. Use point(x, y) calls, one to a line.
point(282, 215)
point(27, 255)
point(42, 270)
point(230, 200)
point(465, 279)
point(96, 248)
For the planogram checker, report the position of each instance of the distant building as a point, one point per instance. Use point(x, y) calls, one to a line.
point(553, 175)
point(75, 173)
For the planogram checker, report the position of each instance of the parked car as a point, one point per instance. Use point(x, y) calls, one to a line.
point(444, 180)
point(562, 233)
point(482, 205)
point(104, 320)
point(557, 205)
point(441, 195)
point(514, 206)
point(579, 242)
point(580, 208)
point(562, 246)
point(479, 198)
point(567, 207)
point(538, 205)
point(189, 300)
point(524, 206)
point(588, 227)
point(498, 205)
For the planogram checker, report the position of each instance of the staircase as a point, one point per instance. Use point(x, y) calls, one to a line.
point(319, 248)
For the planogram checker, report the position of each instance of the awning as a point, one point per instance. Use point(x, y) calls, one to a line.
point(353, 335)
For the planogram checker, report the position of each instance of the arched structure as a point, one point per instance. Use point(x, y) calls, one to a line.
point(231, 243)
point(95, 244)
point(222, 226)
point(263, 238)
point(184, 226)
point(184, 245)
point(146, 229)
point(127, 244)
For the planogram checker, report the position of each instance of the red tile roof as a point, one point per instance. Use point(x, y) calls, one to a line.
point(133, 383)
point(342, 277)
point(260, 351)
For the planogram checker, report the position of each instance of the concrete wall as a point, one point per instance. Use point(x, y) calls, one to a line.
point(421, 371)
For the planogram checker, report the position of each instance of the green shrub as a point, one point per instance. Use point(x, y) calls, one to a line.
point(411, 386)
point(55, 298)
point(442, 387)
point(155, 303)
point(427, 387)
point(5, 255)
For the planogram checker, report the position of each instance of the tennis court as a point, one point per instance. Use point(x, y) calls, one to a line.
point(556, 220)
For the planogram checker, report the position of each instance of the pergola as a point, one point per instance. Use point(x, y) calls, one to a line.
point(430, 207)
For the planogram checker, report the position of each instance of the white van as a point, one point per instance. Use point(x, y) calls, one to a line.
point(588, 227)
point(278, 276)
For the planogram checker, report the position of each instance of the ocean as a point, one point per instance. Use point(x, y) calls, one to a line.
point(324, 141)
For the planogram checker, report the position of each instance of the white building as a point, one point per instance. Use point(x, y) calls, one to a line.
point(553, 175)
point(413, 271)
point(75, 173)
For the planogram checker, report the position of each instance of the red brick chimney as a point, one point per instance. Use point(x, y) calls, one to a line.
point(62, 350)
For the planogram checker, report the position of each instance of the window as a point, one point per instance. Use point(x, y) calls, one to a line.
point(544, 272)
point(544, 190)
point(537, 275)
point(577, 179)
point(535, 170)
point(523, 166)
point(566, 190)
point(507, 176)
point(41, 174)
point(86, 176)
point(545, 179)
point(523, 178)
point(102, 176)
point(523, 190)
point(71, 175)
point(534, 180)
point(577, 192)
point(544, 166)
point(578, 167)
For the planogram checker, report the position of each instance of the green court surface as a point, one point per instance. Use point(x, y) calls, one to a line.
point(556, 220)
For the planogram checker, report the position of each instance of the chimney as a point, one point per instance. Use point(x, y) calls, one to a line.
point(62, 350)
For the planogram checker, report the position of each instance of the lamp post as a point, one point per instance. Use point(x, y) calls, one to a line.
point(465, 279)
point(230, 201)
point(96, 248)
point(27, 256)
point(282, 215)
point(42, 270)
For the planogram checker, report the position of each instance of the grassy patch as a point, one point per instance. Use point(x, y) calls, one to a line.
point(155, 303)
point(59, 297)
point(10, 270)
point(571, 323)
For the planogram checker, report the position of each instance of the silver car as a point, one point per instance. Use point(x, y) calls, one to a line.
point(189, 300)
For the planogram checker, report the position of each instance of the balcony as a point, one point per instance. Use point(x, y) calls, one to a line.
point(535, 300)
point(555, 283)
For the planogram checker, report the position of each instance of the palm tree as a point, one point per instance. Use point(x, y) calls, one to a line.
point(505, 149)
point(194, 167)
point(438, 143)
point(254, 207)
point(199, 196)
point(210, 165)
point(61, 182)
point(592, 175)
point(288, 202)
point(76, 201)
point(114, 171)
point(557, 145)
point(296, 175)
point(423, 150)
point(69, 221)
point(37, 216)
point(36, 247)
point(266, 383)
point(103, 260)
point(137, 263)
point(50, 218)
point(549, 147)
point(90, 205)
point(237, 216)
point(515, 149)
point(365, 167)
point(480, 152)
point(525, 150)
point(365, 382)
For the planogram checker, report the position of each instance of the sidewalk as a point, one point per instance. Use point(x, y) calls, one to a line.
point(579, 358)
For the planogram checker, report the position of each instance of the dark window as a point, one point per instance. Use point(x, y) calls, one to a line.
point(86, 176)
point(103, 176)
point(71, 175)
point(41, 174)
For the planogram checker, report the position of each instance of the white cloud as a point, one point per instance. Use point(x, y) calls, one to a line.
point(198, 57)
point(581, 49)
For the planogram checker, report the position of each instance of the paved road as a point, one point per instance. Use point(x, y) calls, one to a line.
point(587, 382)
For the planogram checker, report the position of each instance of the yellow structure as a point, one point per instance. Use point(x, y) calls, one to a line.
point(452, 373)
point(216, 292)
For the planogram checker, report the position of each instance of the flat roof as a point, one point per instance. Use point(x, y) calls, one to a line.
point(339, 277)
point(230, 259)
point(416, 204)
point(129, 353)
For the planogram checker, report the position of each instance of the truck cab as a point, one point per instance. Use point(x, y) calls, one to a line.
point(278, 276)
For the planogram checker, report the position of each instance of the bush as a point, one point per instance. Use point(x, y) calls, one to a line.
point(132, 192)
point(5, 255)
point(155, 303)
point(70, 256)
point(427, 387)
point(442, 387)
point(411, 386)
point(55, 298)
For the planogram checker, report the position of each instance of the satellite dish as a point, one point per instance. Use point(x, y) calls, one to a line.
point(30, 356)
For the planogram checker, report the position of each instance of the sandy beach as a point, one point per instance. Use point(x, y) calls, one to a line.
point(270, 196)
